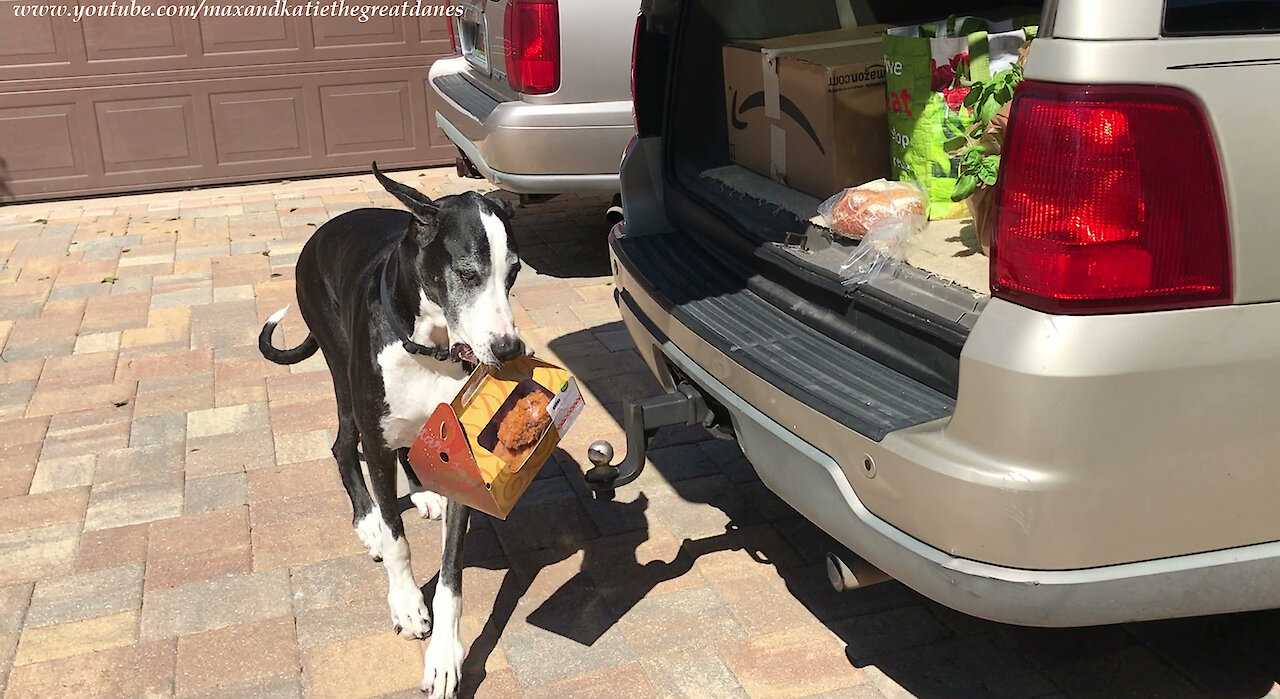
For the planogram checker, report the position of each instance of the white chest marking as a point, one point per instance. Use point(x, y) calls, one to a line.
point(414, 386)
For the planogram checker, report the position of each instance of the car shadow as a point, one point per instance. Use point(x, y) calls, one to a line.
point(892, 634)
point(564, 237)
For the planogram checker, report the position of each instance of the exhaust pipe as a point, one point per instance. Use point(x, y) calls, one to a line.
point(850, 571)
point(613, 215)
point(466, 168)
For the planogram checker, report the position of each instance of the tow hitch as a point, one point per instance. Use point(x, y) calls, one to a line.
point(685, 406)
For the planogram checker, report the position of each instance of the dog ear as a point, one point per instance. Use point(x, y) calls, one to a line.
point(418, 204)
point(504, 208)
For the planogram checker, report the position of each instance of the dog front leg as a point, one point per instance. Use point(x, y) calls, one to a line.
point(409, 615)
point(443, 663)
point(430, 505)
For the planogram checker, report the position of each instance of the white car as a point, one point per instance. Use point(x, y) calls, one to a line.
point(538, 101)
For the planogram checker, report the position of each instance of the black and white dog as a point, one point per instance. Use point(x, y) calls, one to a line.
point(399, 303)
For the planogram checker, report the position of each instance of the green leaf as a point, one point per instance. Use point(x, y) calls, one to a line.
point(964, 188)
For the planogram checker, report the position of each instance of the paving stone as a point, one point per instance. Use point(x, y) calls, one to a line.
point(229, 453)
point(14, 600)
point(14, 397)
point(17, 468)
point(169, 428)
point(86, 595)
point(662, 621)
point(136, 670)
point(229, 420)
point(115, 505)
point(795, 662)
point(692, 671)
point(108, 548)
point(542, 656)
point(972, 666)
point(174, 394)
point(236, 659)
point(137, 464)
point(302, 530)
point(702, 507)
point(214, 604)
point(76, 638)
point(303, 446)
point(43, 509)
point(294, 480)
point(25, 431)
point(625, 680)
point(215, 493)
point(97, 342)
point(872, 635)
point(32, 554)
point(86, 432)
point(363, 667)
point(198, 547)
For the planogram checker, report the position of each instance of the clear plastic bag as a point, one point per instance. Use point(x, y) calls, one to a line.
point(882, 215)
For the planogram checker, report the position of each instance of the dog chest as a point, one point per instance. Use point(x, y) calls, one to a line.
point(412, 387)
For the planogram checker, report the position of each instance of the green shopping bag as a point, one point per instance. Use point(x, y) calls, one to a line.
point(927, 66)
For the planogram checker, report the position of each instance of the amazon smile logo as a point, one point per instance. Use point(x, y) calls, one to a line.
point(756, 101)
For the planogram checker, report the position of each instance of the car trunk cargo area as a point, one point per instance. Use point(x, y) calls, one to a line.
point(914, 319)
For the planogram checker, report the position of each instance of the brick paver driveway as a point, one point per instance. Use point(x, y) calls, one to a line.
point(172, 522)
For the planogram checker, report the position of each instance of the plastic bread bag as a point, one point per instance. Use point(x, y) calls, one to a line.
point(855, 211)
point(882, 215)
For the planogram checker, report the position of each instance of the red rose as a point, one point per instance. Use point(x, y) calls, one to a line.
point(955, 97)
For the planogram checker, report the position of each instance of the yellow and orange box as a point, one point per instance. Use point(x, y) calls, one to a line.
point(458, 455)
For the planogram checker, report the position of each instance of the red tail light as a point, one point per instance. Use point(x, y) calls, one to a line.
point(453, 36)
point(1110, 199)
point(531, 41)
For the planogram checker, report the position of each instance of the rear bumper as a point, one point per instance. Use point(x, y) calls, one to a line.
point(532, 148)
point(816, 485)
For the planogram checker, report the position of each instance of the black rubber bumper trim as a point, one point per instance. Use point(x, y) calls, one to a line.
point(472, 99)
point(833, 379)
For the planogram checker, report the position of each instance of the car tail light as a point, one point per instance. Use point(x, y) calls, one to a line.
point(453, 36)
point(1110, 199)
point(635, 49)
point(531, 41)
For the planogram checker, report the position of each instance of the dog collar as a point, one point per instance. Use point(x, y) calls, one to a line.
point(444, 354)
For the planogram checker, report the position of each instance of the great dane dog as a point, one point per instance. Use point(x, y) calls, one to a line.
point(401, 303)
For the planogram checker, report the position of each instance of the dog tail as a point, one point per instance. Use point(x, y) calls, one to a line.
point(284, 356)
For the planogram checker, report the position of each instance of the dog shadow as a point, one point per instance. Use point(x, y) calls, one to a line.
point(926, 649)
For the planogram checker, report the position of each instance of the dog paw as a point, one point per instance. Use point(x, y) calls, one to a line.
point(430, 505)
point(372, 532)
point(442, 669)
point(409, 615)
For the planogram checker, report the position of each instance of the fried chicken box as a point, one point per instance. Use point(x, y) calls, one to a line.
point(484, 448)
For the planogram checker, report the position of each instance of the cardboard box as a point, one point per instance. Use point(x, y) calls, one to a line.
point(458, 453)
point(809, 110)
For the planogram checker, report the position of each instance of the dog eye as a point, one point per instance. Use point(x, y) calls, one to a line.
point(467, 276)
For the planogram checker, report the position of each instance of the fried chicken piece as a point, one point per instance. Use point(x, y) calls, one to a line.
point(525, 422)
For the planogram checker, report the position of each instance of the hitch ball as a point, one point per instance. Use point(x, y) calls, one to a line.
point(600, 453)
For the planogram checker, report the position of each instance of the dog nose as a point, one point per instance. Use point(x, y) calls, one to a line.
point(508, 348)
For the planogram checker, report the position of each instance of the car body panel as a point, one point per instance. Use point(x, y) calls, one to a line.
point(1096, 469)
point(567, 141)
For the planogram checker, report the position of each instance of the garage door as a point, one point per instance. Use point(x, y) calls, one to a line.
point(115, 104)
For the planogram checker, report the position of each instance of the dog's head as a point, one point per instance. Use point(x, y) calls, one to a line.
point(464, 260)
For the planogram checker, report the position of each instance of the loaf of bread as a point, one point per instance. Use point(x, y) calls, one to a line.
point(524, 424)
point(856, 211)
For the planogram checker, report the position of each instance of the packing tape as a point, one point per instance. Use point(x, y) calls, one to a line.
point(769, 69)
point(769, 73)
point(777, 153)
point(844, 8)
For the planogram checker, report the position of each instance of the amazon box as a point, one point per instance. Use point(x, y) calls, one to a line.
point(484, 448)
point(809, 110)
